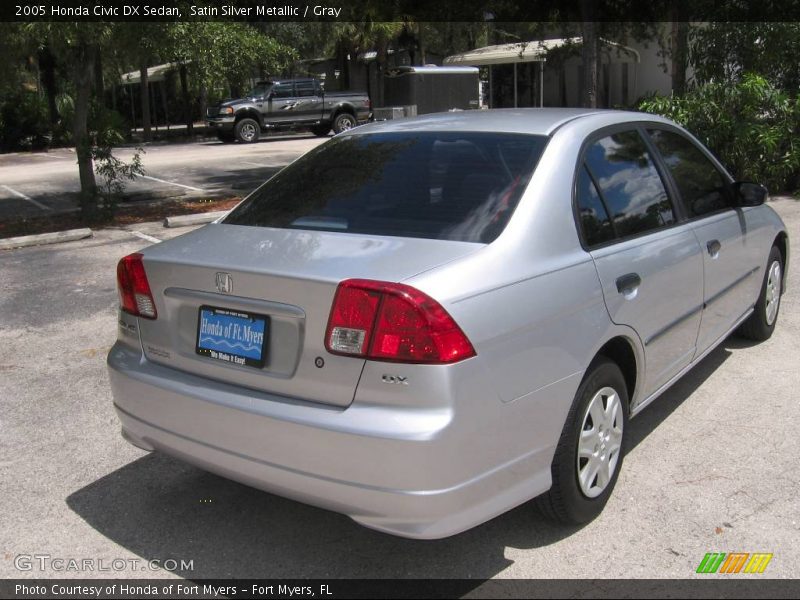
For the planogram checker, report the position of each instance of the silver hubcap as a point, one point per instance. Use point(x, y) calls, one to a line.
point(345, 124)
point(248, 132)
point(600, 442)
point(773, 292)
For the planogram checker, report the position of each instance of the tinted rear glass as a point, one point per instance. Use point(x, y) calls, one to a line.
point(630, 185)
point(438, 185)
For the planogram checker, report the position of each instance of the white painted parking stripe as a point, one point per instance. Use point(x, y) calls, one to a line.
point(24, 197)
point(188, 187)
point(144, 236)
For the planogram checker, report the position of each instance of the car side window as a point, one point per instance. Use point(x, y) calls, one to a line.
point(283, 90)
point(595, 223)
point(305, 88)
point(703, 189)
point(629, 184)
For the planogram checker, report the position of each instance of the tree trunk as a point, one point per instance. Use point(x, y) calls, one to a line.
point(144, 88)
point(381, 60)
point(47, 68)
point(188, 117)
point(83, 90)
point(589, 56)
point(680, 42)
point(203, 100)
point(421, 43)
point(99, 85)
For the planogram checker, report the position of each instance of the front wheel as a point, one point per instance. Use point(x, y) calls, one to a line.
point(247, 131)
point(760, 325)
point(343, 122)
point(589, 454)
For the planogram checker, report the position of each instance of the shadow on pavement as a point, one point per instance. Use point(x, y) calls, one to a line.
point(662, 407)
point(160, 508)
point(265, 138)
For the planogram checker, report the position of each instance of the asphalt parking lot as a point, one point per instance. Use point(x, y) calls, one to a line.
point(712, 465)
point(38, 184)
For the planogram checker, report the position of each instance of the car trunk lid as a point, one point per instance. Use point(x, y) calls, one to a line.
point(287, 276)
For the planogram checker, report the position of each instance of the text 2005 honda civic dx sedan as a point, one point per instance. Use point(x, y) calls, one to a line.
point(423, 323)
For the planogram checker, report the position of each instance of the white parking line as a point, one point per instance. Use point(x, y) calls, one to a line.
point(24, 197)
point(188, 187)
point(144, 236)
point(255, 164)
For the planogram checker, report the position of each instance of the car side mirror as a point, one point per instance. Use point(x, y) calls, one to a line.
point(749, 194)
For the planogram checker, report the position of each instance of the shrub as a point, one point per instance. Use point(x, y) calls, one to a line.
point(24, 122)
point(108, 129)
point(751, 126)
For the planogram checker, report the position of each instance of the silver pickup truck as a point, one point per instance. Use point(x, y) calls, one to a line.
point(288, 104)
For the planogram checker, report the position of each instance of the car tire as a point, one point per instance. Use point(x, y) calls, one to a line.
point(247, 131)
point(343, 122)
point(321, 130)
point(760, 325)
point(577, 495)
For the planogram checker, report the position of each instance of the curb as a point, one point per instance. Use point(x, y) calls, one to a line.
point(196, 219)
point(45, 238)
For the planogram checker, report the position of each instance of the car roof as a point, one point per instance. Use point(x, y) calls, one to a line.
point(534, 121)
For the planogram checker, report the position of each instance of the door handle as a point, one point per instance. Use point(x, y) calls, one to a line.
point(713, 248)
point(626, 284)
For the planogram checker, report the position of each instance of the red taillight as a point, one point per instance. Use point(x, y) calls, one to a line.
point(134, 291)
point(395, 322)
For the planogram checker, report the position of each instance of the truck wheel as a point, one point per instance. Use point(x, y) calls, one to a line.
point(343, 122)
point(247, 131)
point(321, 130)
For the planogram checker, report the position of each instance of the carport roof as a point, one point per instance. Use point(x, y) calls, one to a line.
point(156, 73)
point(534, 51)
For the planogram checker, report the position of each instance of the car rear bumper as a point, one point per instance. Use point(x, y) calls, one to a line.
point(378, 466)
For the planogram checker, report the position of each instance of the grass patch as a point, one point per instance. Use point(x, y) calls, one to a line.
point(127, 215)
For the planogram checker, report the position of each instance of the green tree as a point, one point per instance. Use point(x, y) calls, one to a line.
point(726, 51)
point(77, 45)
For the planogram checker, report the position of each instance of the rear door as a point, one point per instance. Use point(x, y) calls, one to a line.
point(309, 101)
point(731, 271)
point(281, 104)
point(650, 266)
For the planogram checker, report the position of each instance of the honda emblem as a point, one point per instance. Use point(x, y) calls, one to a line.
point(224, 283)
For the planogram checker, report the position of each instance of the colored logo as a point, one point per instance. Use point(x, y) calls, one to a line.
point(734, 562)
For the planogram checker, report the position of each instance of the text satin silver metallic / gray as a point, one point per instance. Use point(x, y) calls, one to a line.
point(424, 323)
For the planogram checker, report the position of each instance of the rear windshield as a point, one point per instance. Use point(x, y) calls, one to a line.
point(438, 185)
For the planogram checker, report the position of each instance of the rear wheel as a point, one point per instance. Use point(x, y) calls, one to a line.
point(590, 451)
point(247, 131)
point(760, 325)
point(343, 122)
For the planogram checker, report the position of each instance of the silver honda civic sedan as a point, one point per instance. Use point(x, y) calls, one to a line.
point(423, 323)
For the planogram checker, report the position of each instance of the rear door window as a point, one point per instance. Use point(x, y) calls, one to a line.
point(305, 88)
point(438, 185)
point(703, 189)
point(629, 184)
point(595, 222)
point(283, 90)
